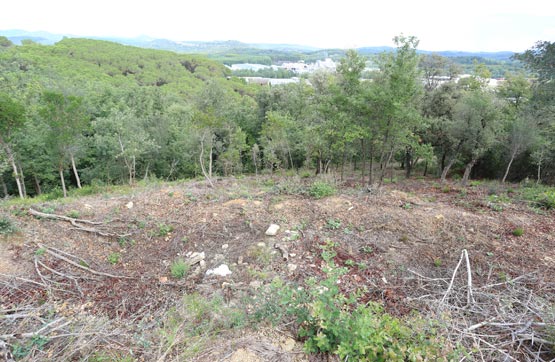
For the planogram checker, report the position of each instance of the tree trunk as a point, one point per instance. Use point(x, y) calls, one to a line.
point(343, 162)
point(425, 168)
point(467, 171)
point(363, 149)
point(61, 170)
point(22, 178)
point(371, 166)
point(384, 168)
point(75, 170)
point(201, 160)
point(446, 170)
point(11, 160)
point(408, 163)
point(513, 154)
point(539, 179)
point(443, 157)
point(4, 187)
point(38, 189)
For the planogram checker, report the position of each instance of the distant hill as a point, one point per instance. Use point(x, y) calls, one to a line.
point(234, 52)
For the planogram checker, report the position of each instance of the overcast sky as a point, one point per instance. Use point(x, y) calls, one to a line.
point(471, 25)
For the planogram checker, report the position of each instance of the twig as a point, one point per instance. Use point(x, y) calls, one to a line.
point(452, 281)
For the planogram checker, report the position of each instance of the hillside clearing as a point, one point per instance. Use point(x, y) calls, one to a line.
point(120, 297)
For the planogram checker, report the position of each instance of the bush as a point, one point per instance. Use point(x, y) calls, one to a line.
point(6, 226)
point(518, 232)
point(321, 189)
point(179, 268)
point(333, 322)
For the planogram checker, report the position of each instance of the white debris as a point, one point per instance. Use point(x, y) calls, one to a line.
point(272, 230)
point(129, 205)
point(221, 271)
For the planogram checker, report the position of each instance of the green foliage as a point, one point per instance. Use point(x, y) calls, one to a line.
point(164, 229)
point(40, 251)
point(333, 322)
point(24, 349)
point(74, 214)
point(114, 258)
point(518, 232)
point(333, 224)
point(7, 226)
point(179, 268)
point(320, 189)
point(540, 196)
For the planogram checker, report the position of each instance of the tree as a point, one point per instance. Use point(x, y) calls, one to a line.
point(122, 136)
point(437, 68)
point(12, 117)
point(474, 129)
point(67, 120)
point(396, 98)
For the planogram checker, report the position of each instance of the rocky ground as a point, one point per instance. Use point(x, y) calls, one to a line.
point(105, 264)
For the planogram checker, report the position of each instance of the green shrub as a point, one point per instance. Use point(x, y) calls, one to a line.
point(321, 189)
point(333, 322)
point(518, 232)
point(179, 268)
point(6, 226)
point(546, 200)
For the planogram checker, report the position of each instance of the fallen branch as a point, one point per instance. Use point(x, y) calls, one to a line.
point(92, 271)
point(75, 222)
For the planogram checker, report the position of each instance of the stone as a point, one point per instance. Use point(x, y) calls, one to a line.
point(272, 230)
point(195, 258)
point(222, 271)
point(261, 244)
point(287, 344)
point(225, 246)
point(129, 205)
point(292, 267)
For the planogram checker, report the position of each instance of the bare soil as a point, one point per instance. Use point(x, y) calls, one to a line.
point(411, 227)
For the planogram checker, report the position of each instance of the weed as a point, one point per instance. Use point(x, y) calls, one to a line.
point(333, 224)
point(350, 262)
point(114, 258)
point(179, 268)
point(74, 214)
point(367, 249)
point(40, 251)
point(438, 262)
point(164, 230)
point(321, 189)
point(7, 226)
point(518, 232)
point(407, 206)
point(446, 189)
point(261, 254)
point(22, 350)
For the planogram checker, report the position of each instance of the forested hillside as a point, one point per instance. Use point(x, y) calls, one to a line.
point(87, 111)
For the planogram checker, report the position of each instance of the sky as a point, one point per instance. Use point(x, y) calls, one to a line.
point(470, 25)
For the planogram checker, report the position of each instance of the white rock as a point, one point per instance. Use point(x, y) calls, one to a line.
point(261, 244)
point(225, 246)
point(292, 267)
point(272, 230)
point(129, 205)
point(221, 271)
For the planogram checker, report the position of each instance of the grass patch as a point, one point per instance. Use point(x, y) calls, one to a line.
point(179, 268)
point(518, 232)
